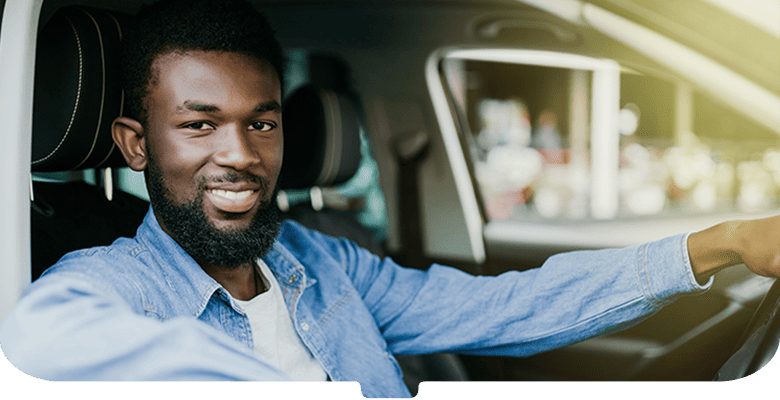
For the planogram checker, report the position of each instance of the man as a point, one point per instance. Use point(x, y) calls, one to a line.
point(213, 287)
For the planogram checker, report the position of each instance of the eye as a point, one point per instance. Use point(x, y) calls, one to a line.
point(263, 126)
point(198, 126)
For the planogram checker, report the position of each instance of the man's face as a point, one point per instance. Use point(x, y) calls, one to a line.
point(214, 143)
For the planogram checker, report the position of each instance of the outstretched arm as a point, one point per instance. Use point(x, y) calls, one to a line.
point(69, 329)
point(756, 243)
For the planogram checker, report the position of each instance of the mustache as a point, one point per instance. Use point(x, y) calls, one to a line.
point(235, 177)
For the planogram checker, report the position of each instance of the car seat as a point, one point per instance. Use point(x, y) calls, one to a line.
point(322, 149)
point(78, 95)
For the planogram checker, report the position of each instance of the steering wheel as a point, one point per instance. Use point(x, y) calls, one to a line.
point(759, 342)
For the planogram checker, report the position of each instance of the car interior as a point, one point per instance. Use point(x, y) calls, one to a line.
point(322, 124)
point(418, 85)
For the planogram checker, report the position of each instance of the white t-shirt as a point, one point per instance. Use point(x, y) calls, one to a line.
point(273, 334)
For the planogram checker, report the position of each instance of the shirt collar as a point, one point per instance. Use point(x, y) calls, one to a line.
point(184, 276)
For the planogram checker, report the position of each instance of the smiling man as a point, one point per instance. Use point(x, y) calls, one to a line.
point(214, 287)
point(212, 151)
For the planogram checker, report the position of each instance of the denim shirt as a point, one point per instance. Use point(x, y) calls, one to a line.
point(142, 309)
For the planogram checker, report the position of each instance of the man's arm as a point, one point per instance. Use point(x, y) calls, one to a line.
point(67, 328)
point(574, 296)
point(756, 243)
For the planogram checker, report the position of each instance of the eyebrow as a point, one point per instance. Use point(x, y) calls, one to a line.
point(199, 107)
point(268, 106)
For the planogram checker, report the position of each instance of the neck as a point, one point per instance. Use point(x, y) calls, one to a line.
point(243, 282)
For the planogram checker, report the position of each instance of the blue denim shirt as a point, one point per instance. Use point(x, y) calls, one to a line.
point(142, 309)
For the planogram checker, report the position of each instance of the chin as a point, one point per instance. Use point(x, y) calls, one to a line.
point(231, 225)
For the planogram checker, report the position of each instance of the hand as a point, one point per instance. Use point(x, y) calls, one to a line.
point(756, 243)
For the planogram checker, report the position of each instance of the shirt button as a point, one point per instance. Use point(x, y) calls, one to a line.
point(304, 326)
point(293, 279)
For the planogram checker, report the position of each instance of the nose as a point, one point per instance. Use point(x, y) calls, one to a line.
point(235, 149)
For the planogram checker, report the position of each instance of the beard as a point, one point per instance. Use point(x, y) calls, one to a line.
point(190, 227)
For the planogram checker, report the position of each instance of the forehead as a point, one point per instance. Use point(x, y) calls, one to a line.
point(212, 73)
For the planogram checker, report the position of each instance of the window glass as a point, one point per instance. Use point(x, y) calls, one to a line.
point(528, 136)
point(682, 153)
point(677, 152)
point(647, 130)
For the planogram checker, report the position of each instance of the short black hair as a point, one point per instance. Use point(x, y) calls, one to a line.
point(184, 25)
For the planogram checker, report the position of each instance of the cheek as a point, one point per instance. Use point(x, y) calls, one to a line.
point(179, 165)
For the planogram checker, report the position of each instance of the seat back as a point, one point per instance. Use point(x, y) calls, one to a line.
point(322, 138)
point(77, 91)
point(78, 94)
point(322, 149)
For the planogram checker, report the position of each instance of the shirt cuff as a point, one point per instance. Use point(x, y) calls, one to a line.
point(665, 271)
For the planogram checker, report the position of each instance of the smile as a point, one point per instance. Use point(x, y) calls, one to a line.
point(232, 201)
point(230, 195)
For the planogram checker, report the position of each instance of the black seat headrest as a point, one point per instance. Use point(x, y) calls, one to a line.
point(78, 92)
point(321, 138)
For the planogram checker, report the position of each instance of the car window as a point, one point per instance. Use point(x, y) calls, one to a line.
point(675, 151)
point(531, 121)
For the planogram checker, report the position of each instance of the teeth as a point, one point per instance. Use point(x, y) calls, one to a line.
point(232, 195)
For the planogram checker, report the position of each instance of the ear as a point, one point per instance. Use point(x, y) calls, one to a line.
point(130, 137)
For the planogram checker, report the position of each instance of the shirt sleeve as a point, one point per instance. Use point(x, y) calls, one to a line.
point(572, 297)
point(67, 329)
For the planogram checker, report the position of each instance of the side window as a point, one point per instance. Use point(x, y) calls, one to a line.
point(531, 145)
point(683, 153)
point(538, 151)
point(538, 127)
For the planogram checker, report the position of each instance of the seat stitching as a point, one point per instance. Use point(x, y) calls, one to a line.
point(78, 96)
point(333, 155)
point(102, 93)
